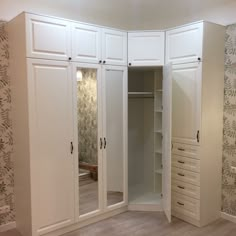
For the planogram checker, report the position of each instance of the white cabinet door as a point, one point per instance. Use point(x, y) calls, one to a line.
point(146, 48)
point(166, 143)
point(114, 47)
point(86, 43)
point(186, 103)
point(115, 135)
point(51, 135)
point(184, 44)
point(47, 38)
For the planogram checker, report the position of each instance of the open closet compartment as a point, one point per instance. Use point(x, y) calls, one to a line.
point(145, 138)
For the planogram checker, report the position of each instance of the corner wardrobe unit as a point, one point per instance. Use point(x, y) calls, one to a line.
point(197, 54)
point(48, 57)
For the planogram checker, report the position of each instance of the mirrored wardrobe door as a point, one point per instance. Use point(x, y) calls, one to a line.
point(115, 137)
point(89, 132)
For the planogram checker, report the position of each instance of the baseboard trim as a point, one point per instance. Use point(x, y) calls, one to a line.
point(8, 226)
point(228, 217)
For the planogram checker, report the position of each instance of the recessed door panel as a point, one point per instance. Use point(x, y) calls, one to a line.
point(86, 43)
point(114, 48)
point(52, 161)
point(48, 38)
point(146, 49)
point(184, 45)
point(186, 103)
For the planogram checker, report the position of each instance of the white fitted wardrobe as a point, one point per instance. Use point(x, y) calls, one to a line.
point(157, 127)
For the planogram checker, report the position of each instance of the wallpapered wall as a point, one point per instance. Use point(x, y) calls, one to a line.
point(88, 109)
point(87, 116)
point(6, 167)
point(229, 146)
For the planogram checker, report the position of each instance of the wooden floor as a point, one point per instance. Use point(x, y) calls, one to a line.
point(148, 224)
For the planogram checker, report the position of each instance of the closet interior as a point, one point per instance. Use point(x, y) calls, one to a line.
point(145, 136)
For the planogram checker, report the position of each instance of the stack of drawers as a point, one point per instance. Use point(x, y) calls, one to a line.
point(186, 182)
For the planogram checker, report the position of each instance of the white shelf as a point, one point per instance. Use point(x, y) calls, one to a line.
point(159, 90)
point(158, 171)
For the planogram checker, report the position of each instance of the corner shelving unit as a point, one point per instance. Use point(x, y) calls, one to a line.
point(158, 135)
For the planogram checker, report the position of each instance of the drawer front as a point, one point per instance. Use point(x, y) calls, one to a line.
point(186, 150)
point(186, 189)
point(186, 206)
point(185, 163)
point(186, 176)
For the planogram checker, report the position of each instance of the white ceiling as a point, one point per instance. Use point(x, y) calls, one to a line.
point(128, 14)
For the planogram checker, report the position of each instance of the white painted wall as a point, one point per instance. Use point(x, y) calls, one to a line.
point(128, 14)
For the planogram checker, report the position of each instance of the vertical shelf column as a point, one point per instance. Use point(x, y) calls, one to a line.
point(158, 133)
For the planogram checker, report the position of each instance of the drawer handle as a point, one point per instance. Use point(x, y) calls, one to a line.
point(181, 187)
point(181, 204)
point(181, 162)
point(181, 174)
point(181, 149)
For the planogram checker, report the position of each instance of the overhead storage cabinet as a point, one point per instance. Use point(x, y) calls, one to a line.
point(146, 48)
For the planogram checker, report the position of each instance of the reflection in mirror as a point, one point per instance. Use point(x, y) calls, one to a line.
point(114, 137)
point(87, 139)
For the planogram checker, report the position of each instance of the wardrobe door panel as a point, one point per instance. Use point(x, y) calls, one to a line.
point(184, 45)
point(166, 141)
point(86, 43)
point(115, 134)
point(51, 135)
point(186, 116)
point(146, 48)
point(114, 47)
point(48, 38)
point(88, 125)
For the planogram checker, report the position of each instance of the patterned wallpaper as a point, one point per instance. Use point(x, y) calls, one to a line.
point(229, 146)
point(6, 166)
point(87, 117)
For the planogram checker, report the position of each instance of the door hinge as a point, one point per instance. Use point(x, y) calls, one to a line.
point(71, 148)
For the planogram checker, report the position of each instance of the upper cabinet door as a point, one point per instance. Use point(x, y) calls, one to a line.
point(186, 117)
point(166, 143)
point(52, 157)
point(114, 47)
point(184, 45)
point(86, 43)
point(48, 38)
point(146, 49)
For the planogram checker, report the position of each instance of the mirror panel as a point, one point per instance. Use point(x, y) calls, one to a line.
point(87, 113)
